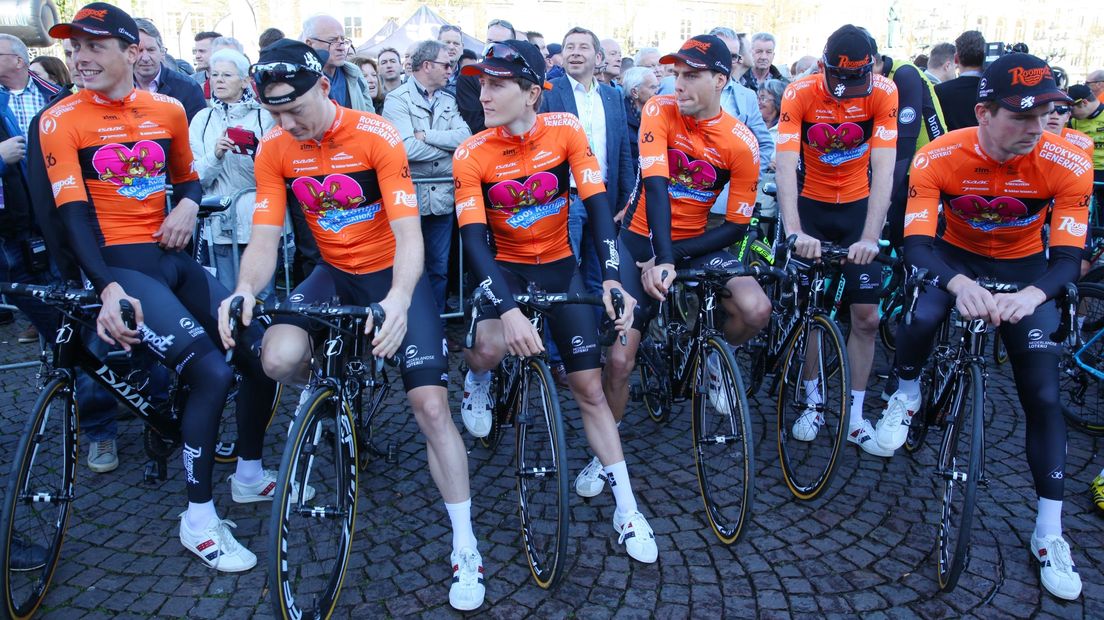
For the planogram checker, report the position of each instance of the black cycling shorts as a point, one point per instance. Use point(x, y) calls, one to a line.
point(842, 224)
point(572, 326)
point(423, 354)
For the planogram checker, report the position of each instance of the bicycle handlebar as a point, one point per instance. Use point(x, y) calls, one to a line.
point(544, 301)
point(724, 274)
point(56, 294)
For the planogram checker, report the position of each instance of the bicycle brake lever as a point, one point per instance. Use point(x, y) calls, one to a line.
point(618, 300)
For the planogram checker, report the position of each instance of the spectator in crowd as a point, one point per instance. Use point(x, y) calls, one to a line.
point(738, 101)
point(648, 57)
point(201, 53)
point(427, 118)
point(453, 40)
point(743, 62)
point(537, 39)
point(223, 43)
point(390, 69)
point(770, 103)
point(555, 61)
point(941, 63)
point(53, 70)
point(269, 36)
point(150, 73)
point(22, 95)
point(370, 69)
point(348, 88)
point(67, 50)
point(467, 57)
point(1095, 82)
point(610, 70)
point(639, 85)
point(407, 67)
point(957, 97)
point(921, 61)
point(803, 66)
point(626, 63)
point(224, 139)
point(762, 58)
point(1088, 117)
point(467, 86)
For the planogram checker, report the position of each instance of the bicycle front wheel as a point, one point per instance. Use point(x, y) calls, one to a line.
point(959, 470)
point(814, 399)
point(311, 536)
point(39, 497)
point(721, 432)
point(542, 475)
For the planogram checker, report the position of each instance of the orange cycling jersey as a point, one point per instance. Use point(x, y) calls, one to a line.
point(518, 186)
point(834, 136)
point(997, 209)
point(342, 183)
point(698, 158)
point(116, 155)
point(1079, 139)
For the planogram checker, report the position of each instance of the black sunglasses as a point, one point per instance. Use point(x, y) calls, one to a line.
point(501, 51)
point(278, 71)
point(1061, 109)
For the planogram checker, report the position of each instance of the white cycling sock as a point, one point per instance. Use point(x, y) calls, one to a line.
point(482, 377)
point(200, 516)
point(248, 472)
point(462, 533)
point(617, 475)
point(1049, 520)
point(857, 398)
point(812, 391)
point(909, 387)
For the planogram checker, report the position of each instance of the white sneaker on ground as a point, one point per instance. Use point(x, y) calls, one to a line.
point(102, 456)
point(863, 437)
point(807, 425)
point(1056, 569)
point(637, 536)
point(263, 490)
point(467, 590)
point(216, 546)
point(476, 407)
point(893, 428)
point(591, 480)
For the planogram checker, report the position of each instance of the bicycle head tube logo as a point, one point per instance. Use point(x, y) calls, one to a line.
point(334, 346)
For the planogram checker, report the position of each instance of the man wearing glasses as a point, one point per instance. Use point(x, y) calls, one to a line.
point(348, 88)
point(431, 128)
point(467, 86)
point(1095, 82)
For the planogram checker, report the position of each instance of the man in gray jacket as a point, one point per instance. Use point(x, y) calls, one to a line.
point(348, 87)
point(431, 126)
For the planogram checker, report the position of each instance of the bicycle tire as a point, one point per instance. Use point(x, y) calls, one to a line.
point(1000, 352)
point(500, 407)
point(1082, 389)
point(324, 427)
point(964, 425)
point(226, 448)
point(651, 387)
point(818, 459)
point(542, 475)
point(46, 497)
point(891, 319)
point(723, 446)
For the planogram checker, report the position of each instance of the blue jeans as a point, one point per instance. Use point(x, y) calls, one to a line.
point(437, 236)
point(590, 267)
point(228, 276)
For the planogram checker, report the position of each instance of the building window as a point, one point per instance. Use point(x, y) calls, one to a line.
point(354, 27)
point(685, 31)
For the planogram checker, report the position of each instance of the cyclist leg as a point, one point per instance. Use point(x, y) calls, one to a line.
point(286, 347)
point(621, 358)
point(747, 309)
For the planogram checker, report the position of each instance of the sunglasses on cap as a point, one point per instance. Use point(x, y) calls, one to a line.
point(278, 71)
point(849, 73)
point(501, 51)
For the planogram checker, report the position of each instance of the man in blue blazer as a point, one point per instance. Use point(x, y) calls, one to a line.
point(602, 115)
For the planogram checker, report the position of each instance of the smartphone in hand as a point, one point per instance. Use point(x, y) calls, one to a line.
point(245, 141)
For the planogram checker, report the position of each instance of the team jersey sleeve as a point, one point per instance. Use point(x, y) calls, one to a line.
point(653, 142)
point(743, 183)
point(59, 150)
point(1070, 214)
point(271, 207)
point(468, 188)
point(584, 165)
point(885, 116)
point(789, 120)
point(393, 174)
point(921, 219)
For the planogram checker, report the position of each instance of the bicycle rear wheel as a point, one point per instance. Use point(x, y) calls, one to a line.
point(310, 538)
point(542, 474)
point(721, 432)
point(226, 449)
point(816, 358)
point(959, 471)
point(38, 499)
point(1081, 371)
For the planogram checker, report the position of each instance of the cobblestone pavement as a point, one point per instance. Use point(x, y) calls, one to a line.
point(866, 547)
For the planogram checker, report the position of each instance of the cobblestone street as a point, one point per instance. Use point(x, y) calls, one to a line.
point(867, 547)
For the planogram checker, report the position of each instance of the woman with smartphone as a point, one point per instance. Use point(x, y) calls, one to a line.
point(224, 139)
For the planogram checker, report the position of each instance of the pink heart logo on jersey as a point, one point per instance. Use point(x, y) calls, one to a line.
point(826, 138)
point(536, 190)
point(1000, 210)
point(335, 192)
point(121, 165)
point(692, 174)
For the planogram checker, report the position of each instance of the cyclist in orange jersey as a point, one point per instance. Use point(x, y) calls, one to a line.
point(998, 184)
point(512, 183)
point(837, 135)
point(348, 174)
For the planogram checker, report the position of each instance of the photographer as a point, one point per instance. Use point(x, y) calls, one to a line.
point(224, 139)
